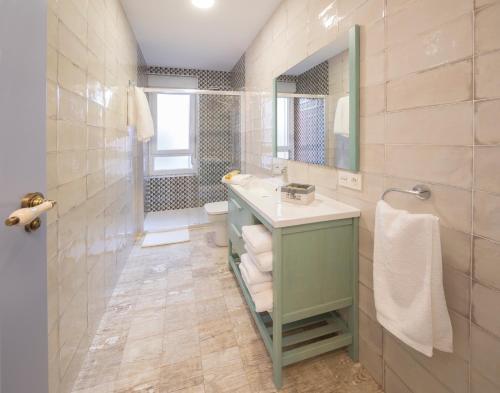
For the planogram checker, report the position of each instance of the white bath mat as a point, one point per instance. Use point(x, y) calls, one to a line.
point(164, 238)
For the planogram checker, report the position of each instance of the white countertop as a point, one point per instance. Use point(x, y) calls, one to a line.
point(284, 214)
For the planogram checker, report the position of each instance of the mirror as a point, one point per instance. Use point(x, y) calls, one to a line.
point(316, 107)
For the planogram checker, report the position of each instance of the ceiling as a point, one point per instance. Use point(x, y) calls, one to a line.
point(174, 33)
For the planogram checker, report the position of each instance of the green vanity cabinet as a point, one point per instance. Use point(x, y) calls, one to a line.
point(239, 217)
point(315, 285)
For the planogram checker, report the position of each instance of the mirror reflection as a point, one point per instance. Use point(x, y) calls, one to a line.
point(313, 108)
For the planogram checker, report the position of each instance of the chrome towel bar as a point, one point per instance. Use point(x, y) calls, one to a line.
point(421, 191)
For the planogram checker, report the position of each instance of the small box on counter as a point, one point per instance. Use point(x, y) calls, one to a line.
point(302, 194)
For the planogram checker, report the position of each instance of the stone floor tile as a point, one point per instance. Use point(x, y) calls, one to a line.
point(230, 378)
point(182, 375)
point(177, 323)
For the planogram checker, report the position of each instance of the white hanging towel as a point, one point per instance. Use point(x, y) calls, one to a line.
point(408, 279)
point(263, 261)
point(131, 118)
point(259, 238)
point(144, 120)
point(341, 122)
point(253, 275)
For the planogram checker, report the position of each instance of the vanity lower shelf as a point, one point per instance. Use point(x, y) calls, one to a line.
point(315, 281)
point(301, 339)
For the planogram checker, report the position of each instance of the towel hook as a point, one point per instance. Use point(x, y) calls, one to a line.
point(421, 191)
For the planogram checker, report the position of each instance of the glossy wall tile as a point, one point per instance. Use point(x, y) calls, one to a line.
point(91, 56)
point(429, 113)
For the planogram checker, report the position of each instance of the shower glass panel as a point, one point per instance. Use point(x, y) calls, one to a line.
point(218, 146)
point(197, 141)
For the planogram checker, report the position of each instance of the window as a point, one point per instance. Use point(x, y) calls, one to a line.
point(284, 126)
point(173, 148)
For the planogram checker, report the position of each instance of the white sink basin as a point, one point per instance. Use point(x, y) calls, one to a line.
point(262, 187)
point(265, 197)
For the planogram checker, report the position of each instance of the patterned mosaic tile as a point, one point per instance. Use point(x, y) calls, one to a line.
point(238, 74)
point(219, 147)
point(308, 138)
point(171, 193)
point(314, 81)
point(207, 80)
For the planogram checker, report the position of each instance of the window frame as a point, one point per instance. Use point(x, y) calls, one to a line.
point(154, 152)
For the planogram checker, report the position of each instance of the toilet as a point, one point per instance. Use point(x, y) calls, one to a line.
point(217, 216)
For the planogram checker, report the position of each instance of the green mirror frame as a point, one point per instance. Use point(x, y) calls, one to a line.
point(354, 115)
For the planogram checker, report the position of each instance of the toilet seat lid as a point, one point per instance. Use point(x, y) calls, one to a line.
point(216, 207)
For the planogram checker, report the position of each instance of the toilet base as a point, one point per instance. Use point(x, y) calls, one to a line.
point(217, 216)
point(220, 228)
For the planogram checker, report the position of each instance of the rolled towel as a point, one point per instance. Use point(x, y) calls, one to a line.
point(237, 180)
point(263, 301)
point(241, 179)
point(263, 261)
point(252, 274)
point(259, 238)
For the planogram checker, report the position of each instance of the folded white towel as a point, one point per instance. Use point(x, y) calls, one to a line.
point(244, 275)
point(258, 237)
point(253, 275)
point(262, 293)
point(238, 180)
point(263, 301)
point(263, 261)
point(256, 288)
point(143, 118)
point(408, 279)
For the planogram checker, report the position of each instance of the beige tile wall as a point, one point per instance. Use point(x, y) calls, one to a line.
point(430, 104)
point(90, 154)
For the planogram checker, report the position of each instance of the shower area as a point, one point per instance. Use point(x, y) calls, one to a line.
point(196, 142)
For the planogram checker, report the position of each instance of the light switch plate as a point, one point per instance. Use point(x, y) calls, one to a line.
point(351, 180)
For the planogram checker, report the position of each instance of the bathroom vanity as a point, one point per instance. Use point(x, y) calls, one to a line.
point(315, 272)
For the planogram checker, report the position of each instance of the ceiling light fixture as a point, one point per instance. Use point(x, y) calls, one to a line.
point(204, 4)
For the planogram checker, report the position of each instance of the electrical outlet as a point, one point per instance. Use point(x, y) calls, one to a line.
point(350, 180)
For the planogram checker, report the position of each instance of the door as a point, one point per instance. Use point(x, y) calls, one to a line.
point(23, 277)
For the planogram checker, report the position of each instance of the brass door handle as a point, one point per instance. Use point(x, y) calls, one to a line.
point(32, 206)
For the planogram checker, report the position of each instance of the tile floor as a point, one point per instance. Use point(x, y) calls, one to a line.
point(174, 219)
point(177, 323)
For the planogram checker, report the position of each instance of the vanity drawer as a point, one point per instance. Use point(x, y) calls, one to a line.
point(238, 214)
point(237, 243)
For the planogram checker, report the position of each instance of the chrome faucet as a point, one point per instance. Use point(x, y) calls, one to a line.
point(284, 174)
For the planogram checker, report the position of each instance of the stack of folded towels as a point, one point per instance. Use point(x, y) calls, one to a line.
point(257, 265)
